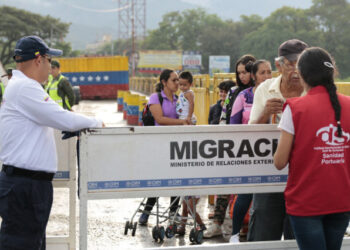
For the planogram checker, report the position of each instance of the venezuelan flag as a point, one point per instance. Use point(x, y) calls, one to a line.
point(98, 77)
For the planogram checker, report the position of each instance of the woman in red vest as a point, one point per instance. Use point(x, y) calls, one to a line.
point(315, 141)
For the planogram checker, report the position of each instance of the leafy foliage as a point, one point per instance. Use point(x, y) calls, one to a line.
point(16, 23)
point(325, 24)
point(283, 24)
point(190, 31)
point(334, 23)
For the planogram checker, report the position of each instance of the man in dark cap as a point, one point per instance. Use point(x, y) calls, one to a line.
point(59, 88)
point(269, 219)
point(27, 149)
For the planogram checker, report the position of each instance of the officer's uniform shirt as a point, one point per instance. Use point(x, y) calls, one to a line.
point(27, 117)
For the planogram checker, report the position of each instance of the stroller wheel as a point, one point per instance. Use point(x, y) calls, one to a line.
point(155, 233)
point(192, 235)
point(127, 224)
point(161, 233)
point(134, 229)
point(170, 231)
point(198, 236)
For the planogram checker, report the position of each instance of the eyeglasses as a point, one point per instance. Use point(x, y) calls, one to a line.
point(290, 66)
point(48, 58)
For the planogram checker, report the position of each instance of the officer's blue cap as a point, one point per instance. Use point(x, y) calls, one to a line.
point(29, 47)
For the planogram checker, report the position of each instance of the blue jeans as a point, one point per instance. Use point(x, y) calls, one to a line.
point(25, 206)
point(324, 232)
point(239, 211)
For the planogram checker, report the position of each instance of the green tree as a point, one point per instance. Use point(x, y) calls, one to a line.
point(334, 23)
point(283, 24)
point(167, 36)
point(325, 24)
point(16, 23)
point(195, 30)
point(250, 23)
point(220, 38)
point(190, 28)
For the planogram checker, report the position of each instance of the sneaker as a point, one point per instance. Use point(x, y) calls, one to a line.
point(212, 231)
point(234, 238)
point(143, 219)
point(226, 229)
point(202, 227)
point(348, 230)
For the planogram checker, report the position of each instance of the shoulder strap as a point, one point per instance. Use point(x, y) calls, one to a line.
point(59, 85)
point(160, 97)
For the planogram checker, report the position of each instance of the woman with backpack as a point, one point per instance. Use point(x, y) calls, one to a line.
point(162, 105)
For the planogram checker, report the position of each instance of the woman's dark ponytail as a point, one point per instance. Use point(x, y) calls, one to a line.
point(332, 91)
point(317, 68)
point(159, 87)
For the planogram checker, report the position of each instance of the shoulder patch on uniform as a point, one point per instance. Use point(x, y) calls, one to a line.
point(46, 98)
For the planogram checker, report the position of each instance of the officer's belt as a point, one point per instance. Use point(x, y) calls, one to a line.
point(36, 175)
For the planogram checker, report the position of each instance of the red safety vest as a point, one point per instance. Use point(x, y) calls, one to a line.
point(319, 164)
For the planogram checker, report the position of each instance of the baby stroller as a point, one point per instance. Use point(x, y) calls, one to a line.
point(163, 215)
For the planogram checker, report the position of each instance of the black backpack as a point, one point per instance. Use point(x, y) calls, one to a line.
point(147, 117)
point(231, 99)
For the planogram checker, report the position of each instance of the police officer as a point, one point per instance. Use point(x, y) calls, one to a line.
point(2, 86)
point(2, 90)
point(59, 88)
point(27, 146)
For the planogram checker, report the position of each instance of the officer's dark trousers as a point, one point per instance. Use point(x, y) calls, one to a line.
point(25, 206)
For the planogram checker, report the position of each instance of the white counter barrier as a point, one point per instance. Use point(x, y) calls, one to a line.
point(130, 162)
point(261, 245)
point(138, 161)
point(66, 178)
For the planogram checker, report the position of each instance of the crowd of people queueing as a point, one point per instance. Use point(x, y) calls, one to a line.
point(304, 102)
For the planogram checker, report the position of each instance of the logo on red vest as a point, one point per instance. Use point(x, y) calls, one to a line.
point(329, 136)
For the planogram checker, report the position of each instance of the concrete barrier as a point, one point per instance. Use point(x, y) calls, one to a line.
point(133, 109)
point(120, 100)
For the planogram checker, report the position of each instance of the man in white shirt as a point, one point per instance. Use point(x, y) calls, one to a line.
point(269, 219)
point(27, 146)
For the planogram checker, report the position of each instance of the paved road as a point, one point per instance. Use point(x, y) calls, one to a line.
point(104, 109)
point(106, 218)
